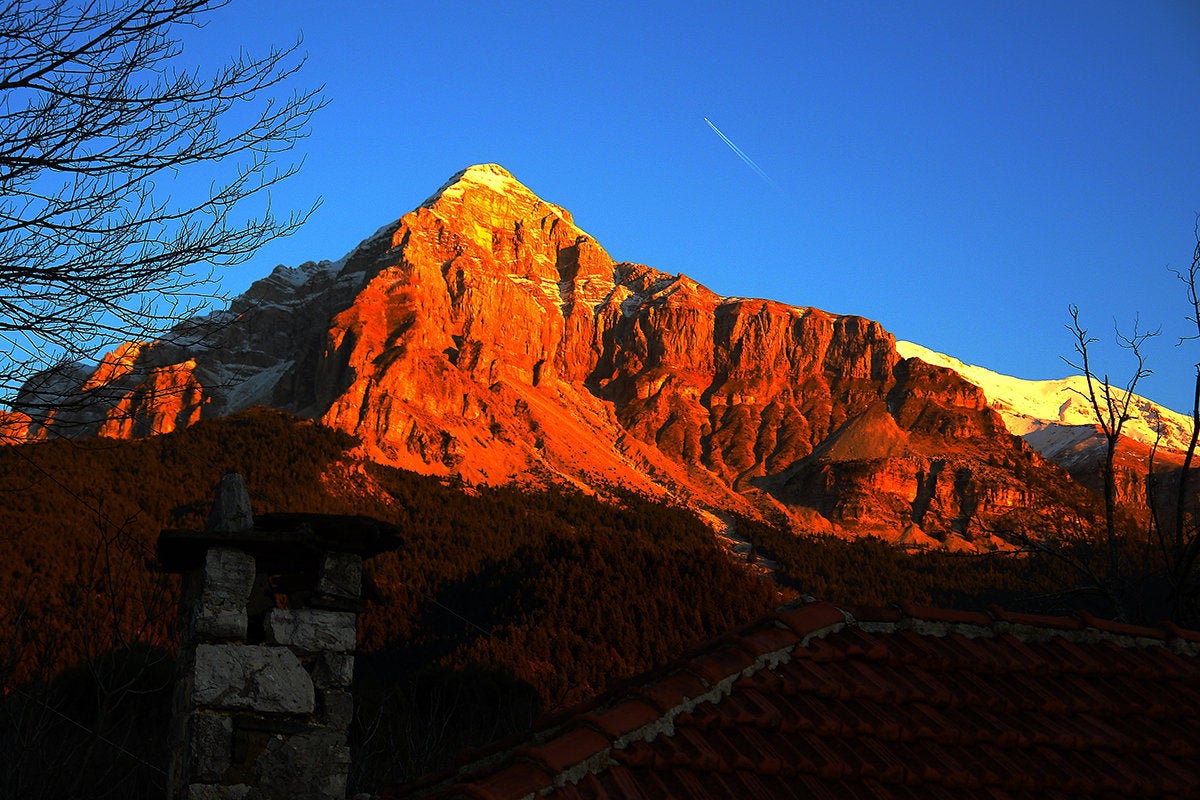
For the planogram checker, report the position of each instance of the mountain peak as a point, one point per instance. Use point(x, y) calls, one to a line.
point(491, 195)
point(493, 176)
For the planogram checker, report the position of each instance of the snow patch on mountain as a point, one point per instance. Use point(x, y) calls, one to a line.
point(493, 176)
point(294, 277)
point(1055, 416)
point(254, 387)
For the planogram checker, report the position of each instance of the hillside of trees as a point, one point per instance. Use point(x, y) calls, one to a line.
point(501, 603)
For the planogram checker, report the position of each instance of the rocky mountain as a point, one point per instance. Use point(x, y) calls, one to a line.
point(486, 336)
point(1055, 417)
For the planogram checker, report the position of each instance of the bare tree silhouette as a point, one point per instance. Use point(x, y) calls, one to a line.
point(99, 114)
point(1111, 408)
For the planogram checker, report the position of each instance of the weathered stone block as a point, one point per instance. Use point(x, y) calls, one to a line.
point(207, 791)
point(337, 709)
point(309, 766)
point(269, 680)
point(220, 624)
point(247, 747)
point(341, 576)
point(220, 610)
point(333, 670)
point(228, 574)
point(231, 509)
point(211, 744)
point(334, 785)
point(311, 630)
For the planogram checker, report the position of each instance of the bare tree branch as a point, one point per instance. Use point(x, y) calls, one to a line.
point(1187, 544)
point(98, 116)
point(1111, 408)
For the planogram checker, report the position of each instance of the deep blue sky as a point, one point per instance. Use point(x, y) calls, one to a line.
point(959, 171)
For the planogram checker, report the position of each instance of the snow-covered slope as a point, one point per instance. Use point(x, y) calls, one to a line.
point(1055, 416)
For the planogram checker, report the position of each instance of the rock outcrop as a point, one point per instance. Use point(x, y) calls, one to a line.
point(485, 335)
point(1056, 418)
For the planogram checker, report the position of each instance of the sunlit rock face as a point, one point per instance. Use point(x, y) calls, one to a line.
point(485, 335)
point(469, 348)
point(1056, 418)
point(170, 397)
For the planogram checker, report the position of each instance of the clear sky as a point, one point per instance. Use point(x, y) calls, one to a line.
point(958, 171)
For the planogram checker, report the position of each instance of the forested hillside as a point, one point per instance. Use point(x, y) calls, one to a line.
point(549, 594)
point(501, 603)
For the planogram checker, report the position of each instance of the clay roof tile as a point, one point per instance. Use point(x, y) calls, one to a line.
point(812, 618)
point(1167, 664)
point(768, 640)
point(626, 784)
point(568, 750)
point(863, 641)
point(622, 719)
point(975, 655)
point(1123, 628)
point(672, 692)
point(1069, 657)
point(720, 664)
point(514, 782)
point(1130, 661)
point(822, 650)
point(866, 681)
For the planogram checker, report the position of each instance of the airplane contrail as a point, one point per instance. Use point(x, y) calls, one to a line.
point(741, 154)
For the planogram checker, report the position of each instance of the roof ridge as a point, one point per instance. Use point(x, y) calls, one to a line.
point(996, 620)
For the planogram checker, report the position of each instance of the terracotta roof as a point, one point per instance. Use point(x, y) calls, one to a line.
point(826, 702)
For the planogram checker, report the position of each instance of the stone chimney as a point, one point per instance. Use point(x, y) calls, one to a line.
point(262, 703)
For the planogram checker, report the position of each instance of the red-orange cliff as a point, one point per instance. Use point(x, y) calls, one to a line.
point(487, 336)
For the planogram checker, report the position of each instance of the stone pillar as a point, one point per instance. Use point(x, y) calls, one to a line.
point(262, 704)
